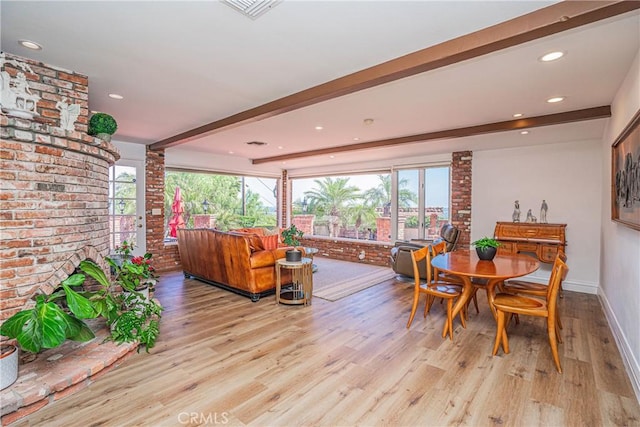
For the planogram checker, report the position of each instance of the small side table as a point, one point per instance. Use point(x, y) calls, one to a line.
point(302, 286)
point(309, 253)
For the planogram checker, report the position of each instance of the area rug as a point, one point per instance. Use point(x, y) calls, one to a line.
point(337, 279)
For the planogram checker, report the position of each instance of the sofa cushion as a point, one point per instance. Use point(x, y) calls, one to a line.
point(270, 242)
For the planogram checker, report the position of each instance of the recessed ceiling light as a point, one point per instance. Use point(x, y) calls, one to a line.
point(551, 56)
point(517, 115)
point(319, 128)
point(368, 121)
point(280, 147)
point(332, 156)
point(29, 44)
point(524, 132)
point(555, 99)
point(115, 96)
point(230, 152)
point(356, 139)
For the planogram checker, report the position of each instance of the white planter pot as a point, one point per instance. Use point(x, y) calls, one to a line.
point(8, 365)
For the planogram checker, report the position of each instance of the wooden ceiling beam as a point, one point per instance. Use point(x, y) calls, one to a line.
point(553, 19)
point(530, 122)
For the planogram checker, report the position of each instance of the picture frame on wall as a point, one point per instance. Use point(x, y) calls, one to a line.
point(625, 175)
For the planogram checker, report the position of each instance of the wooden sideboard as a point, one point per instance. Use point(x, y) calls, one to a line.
point(544, 240)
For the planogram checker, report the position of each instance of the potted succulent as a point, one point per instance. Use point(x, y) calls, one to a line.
point(290, 237)
point(102, 125)
point(486, 248)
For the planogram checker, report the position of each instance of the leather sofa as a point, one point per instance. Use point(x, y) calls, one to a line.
point(231, 260)
point(401, 252)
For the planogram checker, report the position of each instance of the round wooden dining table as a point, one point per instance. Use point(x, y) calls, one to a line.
point(466, 265)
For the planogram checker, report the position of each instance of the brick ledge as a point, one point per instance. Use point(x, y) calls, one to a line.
point(60, 372)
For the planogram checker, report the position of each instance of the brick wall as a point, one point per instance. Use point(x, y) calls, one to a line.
point(53, 203)
point(349, 250)
point(461, 163)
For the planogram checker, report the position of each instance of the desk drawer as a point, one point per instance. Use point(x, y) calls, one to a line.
point(527, 247)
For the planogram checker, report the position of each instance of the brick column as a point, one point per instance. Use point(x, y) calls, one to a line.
point(461, 163)
point(165, 257)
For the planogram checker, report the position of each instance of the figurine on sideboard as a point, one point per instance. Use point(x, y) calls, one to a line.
point(543, 212)
point(516, 212)
point(530, 217)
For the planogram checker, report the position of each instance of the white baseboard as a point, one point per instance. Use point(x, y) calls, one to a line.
point(569, 285)
point(630, 362)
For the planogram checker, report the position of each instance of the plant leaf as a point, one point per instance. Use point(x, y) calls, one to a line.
point(74, 280)
point(77, 330)
point(79, 305)
point(94, 271)
point(50, 326)
point(12, 327)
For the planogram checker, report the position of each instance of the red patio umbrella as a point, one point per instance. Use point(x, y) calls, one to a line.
point(177, 208)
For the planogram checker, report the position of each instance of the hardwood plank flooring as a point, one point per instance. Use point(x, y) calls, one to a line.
point(223, 360)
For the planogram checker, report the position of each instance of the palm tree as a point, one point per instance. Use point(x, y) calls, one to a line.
point(381, 195)
point(332, 198)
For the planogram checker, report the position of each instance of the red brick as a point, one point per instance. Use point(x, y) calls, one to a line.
point(24, 411)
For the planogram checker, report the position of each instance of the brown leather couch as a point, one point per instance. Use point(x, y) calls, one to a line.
point(231, 260)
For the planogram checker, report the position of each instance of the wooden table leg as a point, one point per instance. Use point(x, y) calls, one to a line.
point(278, 284)
point(467, 292)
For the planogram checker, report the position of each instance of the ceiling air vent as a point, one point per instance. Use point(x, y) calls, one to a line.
point(252, 8)
point(258, 143)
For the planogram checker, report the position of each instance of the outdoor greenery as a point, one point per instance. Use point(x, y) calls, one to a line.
point(223, 194)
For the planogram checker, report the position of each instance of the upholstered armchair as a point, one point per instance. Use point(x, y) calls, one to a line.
point(401, 253)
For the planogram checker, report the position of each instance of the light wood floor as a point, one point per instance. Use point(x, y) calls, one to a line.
point(224, 360)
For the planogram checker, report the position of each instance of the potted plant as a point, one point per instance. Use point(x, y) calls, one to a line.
point(486, 248)
point(102, 125)
point(130, 315)
point(8, 365)
point(290, 237)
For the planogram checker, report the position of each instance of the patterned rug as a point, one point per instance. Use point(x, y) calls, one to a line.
point(337, 279)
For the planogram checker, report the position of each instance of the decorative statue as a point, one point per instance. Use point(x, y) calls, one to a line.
point(529, 216)
point(516, 212)
point(68, 114)
point(543, 212)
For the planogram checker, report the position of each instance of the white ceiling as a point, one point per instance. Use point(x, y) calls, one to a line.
point(181, 65)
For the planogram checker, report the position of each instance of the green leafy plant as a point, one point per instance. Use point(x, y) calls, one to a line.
point(486, 242)
point(291, 235)
point(60, 316)
point(411, 222)
point(48, 324)
point(102, 123)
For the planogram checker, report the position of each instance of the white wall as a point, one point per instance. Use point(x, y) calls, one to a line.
point(568, 177)
point(131, 151)
point(620, 269)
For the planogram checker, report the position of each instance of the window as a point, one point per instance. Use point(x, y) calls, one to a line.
point(221, 201)
point(349, 206)
point(422, 202)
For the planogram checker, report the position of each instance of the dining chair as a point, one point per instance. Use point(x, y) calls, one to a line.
point(524, 287)
point(508, 303)
point(433, 287)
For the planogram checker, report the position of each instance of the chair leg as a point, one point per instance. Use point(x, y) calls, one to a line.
point(429, 303)
point(499, 329)
point(416, 297)
point(551, 327)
